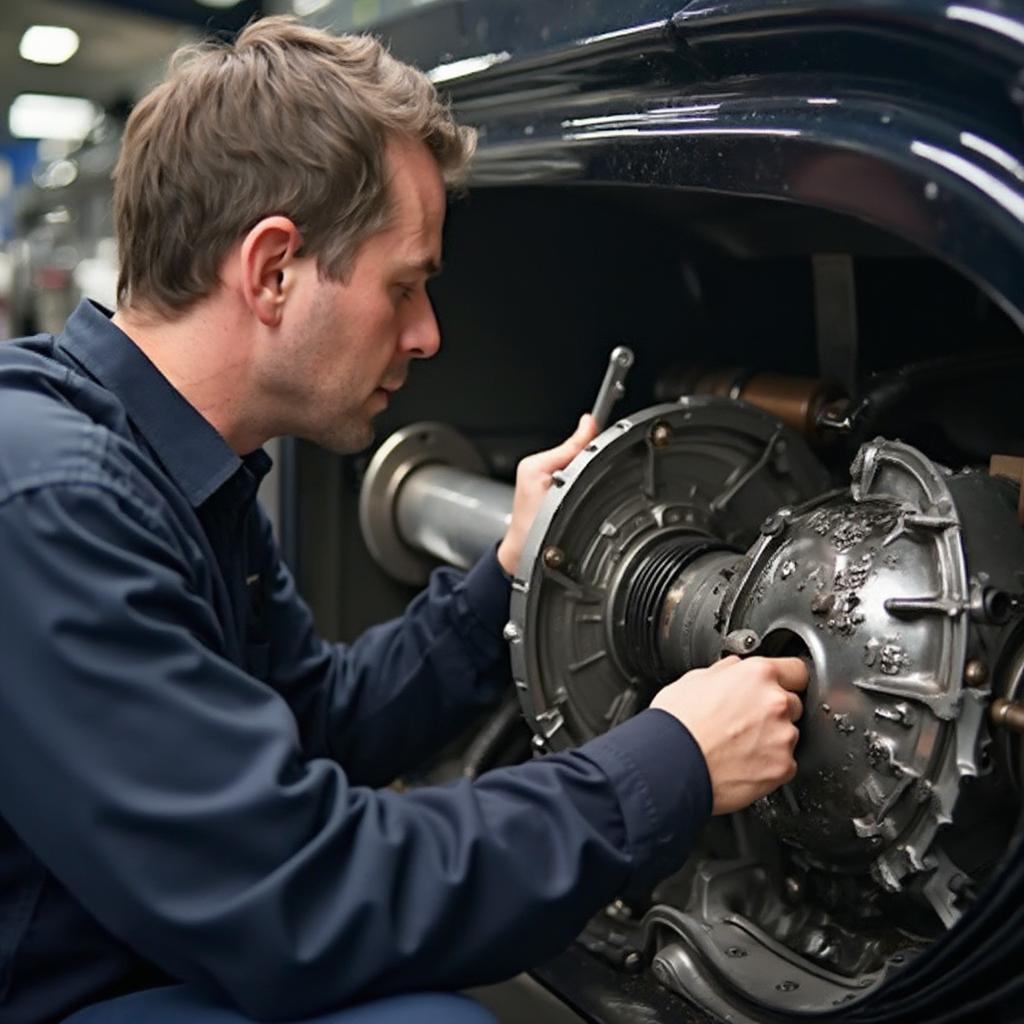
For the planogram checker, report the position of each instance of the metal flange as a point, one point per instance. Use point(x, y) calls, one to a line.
point(703, 469)
point(411, 448)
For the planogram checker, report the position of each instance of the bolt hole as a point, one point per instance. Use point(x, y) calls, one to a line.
point(997, 605)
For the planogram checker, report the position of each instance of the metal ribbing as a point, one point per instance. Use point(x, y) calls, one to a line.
point(659, 569)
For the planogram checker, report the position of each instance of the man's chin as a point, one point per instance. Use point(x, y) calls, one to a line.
point(345, 438)
point(348, 438)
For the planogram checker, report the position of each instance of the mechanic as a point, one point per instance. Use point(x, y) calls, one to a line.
point(193, 826)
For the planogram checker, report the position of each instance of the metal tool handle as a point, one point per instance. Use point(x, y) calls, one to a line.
point(613, 386)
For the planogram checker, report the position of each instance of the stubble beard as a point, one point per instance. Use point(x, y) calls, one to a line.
point(345, 436)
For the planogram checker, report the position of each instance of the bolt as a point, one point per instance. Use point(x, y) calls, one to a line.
point(661, 434)
point(510, 632)
point(632, 961)
point(787, 986)
point(776, 522)
point(554, 558)
point(736, 951)
point(975, 672)
point(740, 641)
point(618, 910)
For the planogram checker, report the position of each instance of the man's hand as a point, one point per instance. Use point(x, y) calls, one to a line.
point(533, 478)
point(741, 714)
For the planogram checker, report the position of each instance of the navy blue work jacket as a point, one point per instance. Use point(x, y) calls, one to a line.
point(188, 772)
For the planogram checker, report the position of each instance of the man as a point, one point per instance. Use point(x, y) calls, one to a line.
point(188, 771)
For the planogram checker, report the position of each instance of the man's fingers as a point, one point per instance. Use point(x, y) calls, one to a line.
point(796, 707)
point(560, 456)
point(732, 659)
point(791, 673)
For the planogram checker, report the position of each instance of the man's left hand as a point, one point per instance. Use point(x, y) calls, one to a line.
point(533, 478)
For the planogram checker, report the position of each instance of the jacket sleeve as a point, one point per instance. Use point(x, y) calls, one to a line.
point(169, 792)
point(386, 702)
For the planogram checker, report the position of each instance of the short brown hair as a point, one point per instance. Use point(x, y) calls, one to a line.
point(286, 120)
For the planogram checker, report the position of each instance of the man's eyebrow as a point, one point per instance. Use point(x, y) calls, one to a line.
point(429, 266)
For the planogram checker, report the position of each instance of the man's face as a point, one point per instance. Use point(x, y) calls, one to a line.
point(351, 341)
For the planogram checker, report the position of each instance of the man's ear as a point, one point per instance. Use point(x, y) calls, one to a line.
point(267, 267)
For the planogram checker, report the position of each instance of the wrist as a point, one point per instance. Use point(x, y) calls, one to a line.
point(508, 557)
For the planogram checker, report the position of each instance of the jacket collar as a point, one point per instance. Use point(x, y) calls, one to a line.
point(191, 451)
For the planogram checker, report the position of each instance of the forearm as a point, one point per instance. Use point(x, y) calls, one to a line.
point(392, 698)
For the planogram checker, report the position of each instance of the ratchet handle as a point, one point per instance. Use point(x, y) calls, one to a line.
point(613, 387)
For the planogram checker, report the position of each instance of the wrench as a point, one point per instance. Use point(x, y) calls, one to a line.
point(613, 387)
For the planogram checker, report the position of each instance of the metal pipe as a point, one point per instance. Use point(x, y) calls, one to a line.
point(424, 495)
point(1009, 714)
point(454, 515)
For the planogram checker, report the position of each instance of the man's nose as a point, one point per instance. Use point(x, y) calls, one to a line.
point(421, 337)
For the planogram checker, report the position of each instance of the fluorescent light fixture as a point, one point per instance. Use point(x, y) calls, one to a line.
point(48, 44)
point(38, 116)
point(303, 8)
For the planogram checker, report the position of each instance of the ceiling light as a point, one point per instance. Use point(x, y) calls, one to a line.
point(303, 8)
point(48, 44)
point(37, 116)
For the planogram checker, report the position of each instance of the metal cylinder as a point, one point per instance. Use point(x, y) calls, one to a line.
point(664, 601)
point(451, 514)
point(799, 402)
point(688, 636)
point(425, 498)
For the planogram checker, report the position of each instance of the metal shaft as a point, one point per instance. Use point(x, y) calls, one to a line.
point(1009, 714)
point(454, 515)
point(425, 497)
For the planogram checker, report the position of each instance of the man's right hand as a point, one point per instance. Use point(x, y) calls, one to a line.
point(742, 715)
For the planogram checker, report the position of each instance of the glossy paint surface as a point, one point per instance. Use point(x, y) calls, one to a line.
point(903, 115)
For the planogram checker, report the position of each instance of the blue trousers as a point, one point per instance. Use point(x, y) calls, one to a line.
point(182, 1004)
